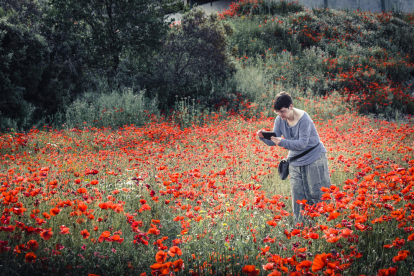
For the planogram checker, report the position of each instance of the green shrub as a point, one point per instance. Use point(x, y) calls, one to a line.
point(249, 7)
point(193, 55)
point(110, 108)
point(366, 57)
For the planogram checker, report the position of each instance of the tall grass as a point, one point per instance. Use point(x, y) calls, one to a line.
point(111, 109)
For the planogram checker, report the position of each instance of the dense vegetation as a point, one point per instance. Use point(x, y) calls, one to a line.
point(56, 56)
point(143, 158)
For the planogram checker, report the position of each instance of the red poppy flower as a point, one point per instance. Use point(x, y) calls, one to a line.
point(175, 250)
point(85, 234)
point(272, 223)
point(161, 257)
point(82, 207)
point(163, 269)
point(103, 205)
point(154, 231)
point(268, 266)
point(345, 233)
point(82, 190)
point(64, 230)
point(277, 273)
point(264, 250)
point(30, 257)
point(145, 207)
point(250, 270)
point(402, 255)
point(314, 236)
point(319, 262)
point(178, 265)
point(46, 234)
point(306, 264)
point(54, 211)
point(387, 272)
point(32, 244)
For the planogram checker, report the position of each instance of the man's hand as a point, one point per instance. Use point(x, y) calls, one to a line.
point(259, 133)
point(275, 140)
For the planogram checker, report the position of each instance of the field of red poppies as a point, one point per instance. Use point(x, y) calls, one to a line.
point(201, 196)
point(165, 200)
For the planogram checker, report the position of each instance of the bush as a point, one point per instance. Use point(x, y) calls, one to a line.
point(110, 108)
point(193, 55)
point(252, 7)
point(366, 57)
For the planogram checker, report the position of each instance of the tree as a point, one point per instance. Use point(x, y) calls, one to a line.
point(193, 55)
point(22, 60)
point(112, 29)
point(40, 70)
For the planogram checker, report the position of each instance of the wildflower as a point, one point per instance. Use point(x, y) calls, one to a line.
point(268, 266)
point(46, 234)
point(250, 270)
point(175, 250)
point(402, 255)
point(54, 211)
point(319, 262)
point(157, 268)
point(82, 190)
point(313, 236)
point(32, 244)
point(154, 231)
point(30, 257)
point(264, 250)
point(178, 265)
point(161, 257)
point(85, 234)
point(345, 233)
point(388, 272)
point(304, 265)
point(64, 230)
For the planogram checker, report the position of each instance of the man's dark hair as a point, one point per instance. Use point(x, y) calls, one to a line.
point(282, 100)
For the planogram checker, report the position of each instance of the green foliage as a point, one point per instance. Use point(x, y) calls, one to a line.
point(108, 107)
point(22, 12)
point(110, 30)
point(52, 51)
point(366, 57)
point(193, 55)
point(245, 7)
point(41, 69)
point(23, 58)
